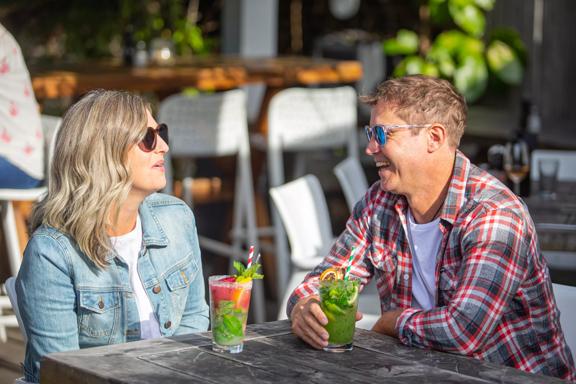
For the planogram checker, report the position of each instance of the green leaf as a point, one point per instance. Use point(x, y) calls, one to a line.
point(504, 62)
point(471, 77)
point(486, 5)
point(405, 43)
point(439, 14)
point(450, 41)
point(240, 268)
point(233, 325)
point(513, 39)
point(468, 17)
point(411, 65)
point(444, 62)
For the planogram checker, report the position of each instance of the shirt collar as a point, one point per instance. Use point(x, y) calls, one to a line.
point(152, 232)
point(455, 198)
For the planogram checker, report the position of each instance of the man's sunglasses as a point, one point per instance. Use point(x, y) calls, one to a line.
point(149, 142)
point(380, 132)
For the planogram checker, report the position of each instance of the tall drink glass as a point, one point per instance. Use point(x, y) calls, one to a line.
point(229, 304)
point(339, 302)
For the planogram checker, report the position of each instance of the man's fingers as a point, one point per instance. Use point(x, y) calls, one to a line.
point(310, 337)
point(359, 315)
point(317, 312)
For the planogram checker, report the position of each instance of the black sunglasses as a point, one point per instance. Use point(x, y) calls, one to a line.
point(149, 141)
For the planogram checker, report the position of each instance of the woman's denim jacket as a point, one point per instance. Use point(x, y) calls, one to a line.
point(67, 303)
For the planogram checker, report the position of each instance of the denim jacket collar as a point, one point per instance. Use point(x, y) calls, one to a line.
point(152, 232)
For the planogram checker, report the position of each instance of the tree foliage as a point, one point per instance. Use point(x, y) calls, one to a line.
point(460, 51)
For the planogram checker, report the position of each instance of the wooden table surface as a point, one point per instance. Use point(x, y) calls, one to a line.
point(272, 355)
point(212, 73)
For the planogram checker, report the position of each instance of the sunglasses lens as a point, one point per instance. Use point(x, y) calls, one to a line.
point(368, 132)
point(163, 132)
point(380, 135)
point(148, 143)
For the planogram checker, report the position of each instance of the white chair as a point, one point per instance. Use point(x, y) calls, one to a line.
point(209, 126)
point(566, 301)
point(567, 168)
point(10, 286)
point(50, 126)
point(352, 179)
point(301, 120)
point(304, 213)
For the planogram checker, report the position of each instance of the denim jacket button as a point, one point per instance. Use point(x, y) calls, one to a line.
point(101, 304)
point(167, 324)
point(156, 289)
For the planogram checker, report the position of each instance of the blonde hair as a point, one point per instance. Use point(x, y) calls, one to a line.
point(89, 176)
point(422, 99)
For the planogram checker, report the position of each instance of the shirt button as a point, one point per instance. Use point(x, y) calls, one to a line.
point(101, 304)
point(156, 289)
point(406, 276)
point(167, 324)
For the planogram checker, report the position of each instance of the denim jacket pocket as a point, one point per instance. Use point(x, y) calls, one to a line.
point(98, 312)
point(178, 282)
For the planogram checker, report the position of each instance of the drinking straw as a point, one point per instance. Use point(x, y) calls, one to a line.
point(257, 259)
point(352, 251)
point(250, 255)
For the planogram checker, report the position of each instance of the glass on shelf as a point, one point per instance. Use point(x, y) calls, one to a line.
point(516, 162)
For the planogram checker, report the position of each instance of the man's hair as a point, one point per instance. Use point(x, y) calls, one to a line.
point(422, 99)
point(89, 174)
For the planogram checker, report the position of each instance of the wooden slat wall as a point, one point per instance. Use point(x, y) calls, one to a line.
point(551, 82)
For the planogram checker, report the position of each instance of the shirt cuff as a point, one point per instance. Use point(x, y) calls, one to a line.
point(404, 332)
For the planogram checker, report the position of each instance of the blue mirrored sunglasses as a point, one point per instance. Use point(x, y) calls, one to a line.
point(380, 132)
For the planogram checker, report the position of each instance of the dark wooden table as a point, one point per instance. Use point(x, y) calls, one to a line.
point(555, 219)
point(272, 355)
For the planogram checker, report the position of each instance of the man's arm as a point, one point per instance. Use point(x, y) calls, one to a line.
point(303, 306)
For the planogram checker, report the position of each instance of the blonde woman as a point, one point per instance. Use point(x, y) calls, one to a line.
point(110, 260)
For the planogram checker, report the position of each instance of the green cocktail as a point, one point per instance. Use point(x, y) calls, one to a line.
point(339, 302)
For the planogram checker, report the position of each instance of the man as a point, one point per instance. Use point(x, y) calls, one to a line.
point(454, 252)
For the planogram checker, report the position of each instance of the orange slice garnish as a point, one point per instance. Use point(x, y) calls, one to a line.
point(332, 273)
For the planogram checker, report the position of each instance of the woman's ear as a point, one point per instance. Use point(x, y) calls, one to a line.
point(437, 136)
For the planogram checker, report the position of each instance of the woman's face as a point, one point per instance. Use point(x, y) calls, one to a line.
point(147, 168)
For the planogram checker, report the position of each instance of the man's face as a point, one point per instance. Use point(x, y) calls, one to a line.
point(400, 161)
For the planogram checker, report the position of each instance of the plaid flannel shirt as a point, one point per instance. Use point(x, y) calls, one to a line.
point(494, 298)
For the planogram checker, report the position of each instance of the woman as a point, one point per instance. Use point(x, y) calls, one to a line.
point(110, 260)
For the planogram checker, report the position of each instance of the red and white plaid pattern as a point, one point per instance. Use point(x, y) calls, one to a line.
point(494, 297)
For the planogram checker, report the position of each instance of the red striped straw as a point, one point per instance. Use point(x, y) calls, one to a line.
point(250, 255)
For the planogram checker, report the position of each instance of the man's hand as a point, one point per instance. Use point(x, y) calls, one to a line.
point(308, 321)
point(386, 324)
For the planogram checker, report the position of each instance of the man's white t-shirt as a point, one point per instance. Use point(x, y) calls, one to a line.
point(425, 241)
point(128, 247)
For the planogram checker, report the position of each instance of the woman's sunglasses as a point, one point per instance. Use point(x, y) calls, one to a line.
point(380, 132)
point(148, 143)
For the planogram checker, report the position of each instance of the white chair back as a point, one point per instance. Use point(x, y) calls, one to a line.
point(215, 125)
point(301, 119)
point(567, 159)
point(10, 286)
point(566, 300)
point(304, 213)
point(352, 179)
point(206, 125)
